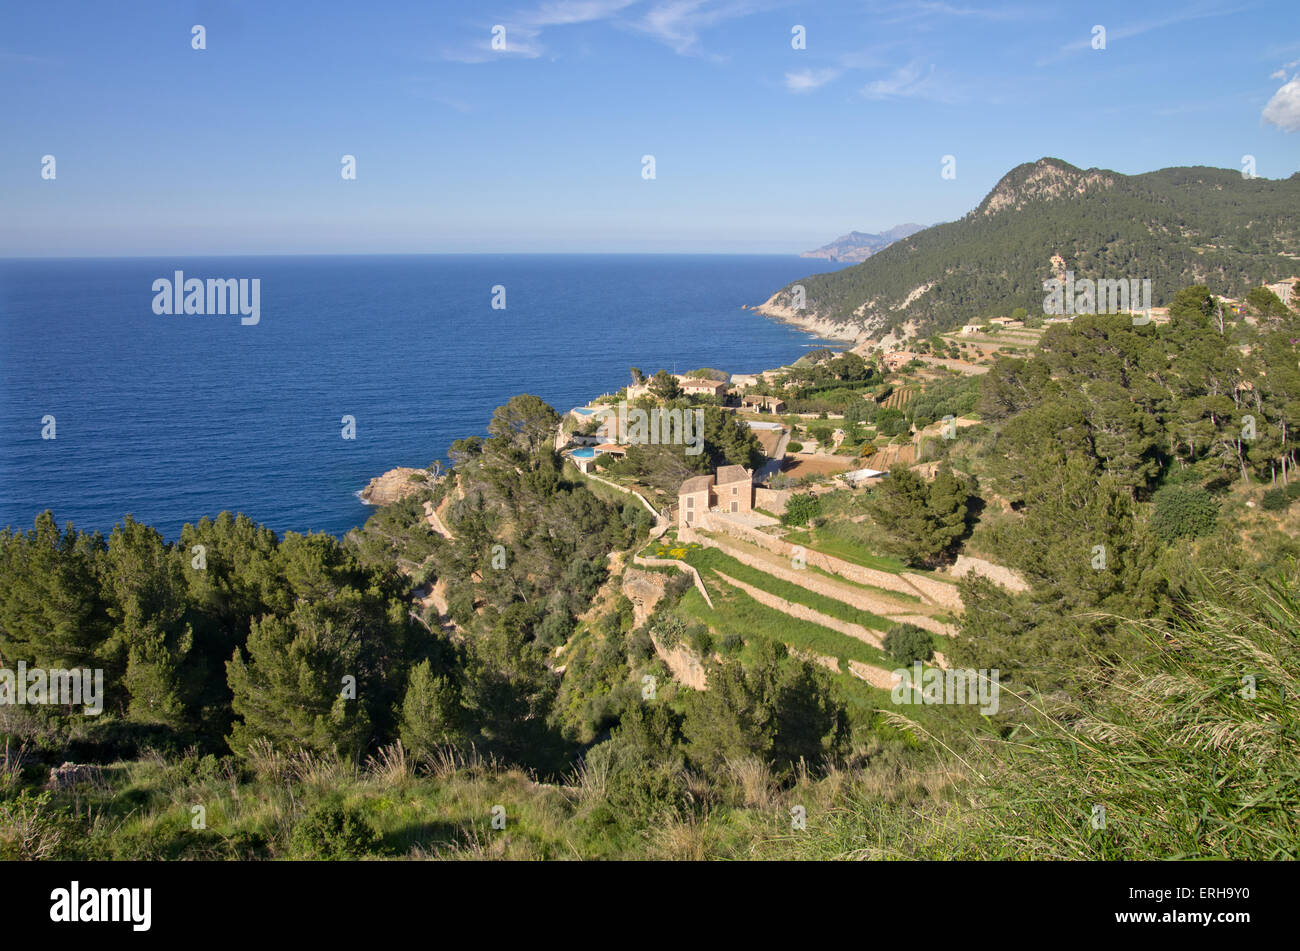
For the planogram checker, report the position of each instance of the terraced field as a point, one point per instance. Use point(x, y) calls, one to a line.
point(826, 618)
point(901, 396)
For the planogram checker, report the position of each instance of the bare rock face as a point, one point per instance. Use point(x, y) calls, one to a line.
point(394, 485)
point(643, 589)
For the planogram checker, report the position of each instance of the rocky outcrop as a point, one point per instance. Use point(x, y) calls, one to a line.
point(778, 308)
point(686, 668)
point(643, 589)
point(394, 485)
point(70, 775)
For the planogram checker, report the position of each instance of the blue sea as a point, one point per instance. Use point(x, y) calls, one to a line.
point(171, 418)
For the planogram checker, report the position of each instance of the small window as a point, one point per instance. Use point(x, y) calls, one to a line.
point(690, 501)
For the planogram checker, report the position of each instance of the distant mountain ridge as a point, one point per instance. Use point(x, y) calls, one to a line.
point(859, 245)
point(1175, 227)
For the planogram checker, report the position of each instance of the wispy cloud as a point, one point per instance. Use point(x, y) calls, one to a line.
point(800, 81)
point(1084, 42)
point(894, 14)
point(1281, 73)
point(524, 29)
point(418, 91)
point(806, 80)
point(912, 81)
point(679, 23)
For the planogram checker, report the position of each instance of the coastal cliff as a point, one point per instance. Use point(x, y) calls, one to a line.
point(394, 485)
point(807, 321)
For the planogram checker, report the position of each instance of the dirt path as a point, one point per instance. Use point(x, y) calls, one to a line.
point(436, 523)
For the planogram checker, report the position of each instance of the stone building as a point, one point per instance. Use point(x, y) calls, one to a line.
point(730, 490)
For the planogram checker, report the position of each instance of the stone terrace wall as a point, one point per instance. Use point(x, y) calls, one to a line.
point(771, 500)
point(836, 566)
point(805, 613)
point(681, 566)
point(940, 592)
point(819, 584)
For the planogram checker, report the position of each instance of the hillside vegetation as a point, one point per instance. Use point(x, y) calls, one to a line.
point(1175, 227)
point(467, 675)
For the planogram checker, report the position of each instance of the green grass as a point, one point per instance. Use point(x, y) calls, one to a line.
point(708, 560)
point(837, 546)
point(735, 612)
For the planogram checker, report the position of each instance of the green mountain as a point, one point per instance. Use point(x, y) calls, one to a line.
point(1175, 227)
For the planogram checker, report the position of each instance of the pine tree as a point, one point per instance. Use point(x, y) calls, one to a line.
point(431, 711)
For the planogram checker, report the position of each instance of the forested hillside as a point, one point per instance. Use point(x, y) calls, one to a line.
point(318, 700)
point(1174, 227)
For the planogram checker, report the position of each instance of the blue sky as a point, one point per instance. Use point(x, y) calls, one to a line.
point(759, 147)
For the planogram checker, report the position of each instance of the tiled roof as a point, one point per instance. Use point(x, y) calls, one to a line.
point(698, 483)
point(729, 474)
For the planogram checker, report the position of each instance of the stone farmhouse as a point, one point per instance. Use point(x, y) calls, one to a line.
point(730, 490)
point(690, 385)
point(762, 404)
point(696, 386)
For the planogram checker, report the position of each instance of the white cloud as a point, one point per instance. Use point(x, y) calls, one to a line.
point(523, 30)
point(1281, 73)
point(1283, 110)
point(565, 12)
point(678, 23)
point(806, 80)
point(908, 82)
point(923, 9)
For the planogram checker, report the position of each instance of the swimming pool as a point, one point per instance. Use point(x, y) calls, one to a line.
point(587, 453)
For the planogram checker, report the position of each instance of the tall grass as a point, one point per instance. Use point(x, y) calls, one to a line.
point(1191, 752)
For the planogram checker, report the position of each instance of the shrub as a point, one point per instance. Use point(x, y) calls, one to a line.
point(891, 422)
point(699, 640)
point(32, 829)
point(1183, 511)
point(332, 832)
point(801, 509)
point(639, 646)
point(1279, 498)
point(794, 447)
point(907, 643)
